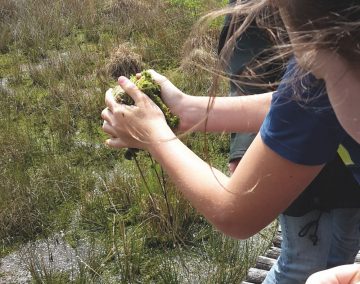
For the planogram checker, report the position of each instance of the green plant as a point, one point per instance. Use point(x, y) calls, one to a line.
point(147, 85)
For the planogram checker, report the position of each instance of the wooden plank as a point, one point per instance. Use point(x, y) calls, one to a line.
point(265, 263)
point(256, 276)
point(277, 240)
point(273, 252)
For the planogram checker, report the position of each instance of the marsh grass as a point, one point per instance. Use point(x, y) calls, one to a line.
point(57, 175)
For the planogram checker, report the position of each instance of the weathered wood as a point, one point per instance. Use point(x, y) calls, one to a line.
point(277, 240)
point(256, 276)
point(264, 263)
point(273, 252)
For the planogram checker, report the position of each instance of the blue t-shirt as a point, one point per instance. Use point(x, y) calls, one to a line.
point(301, 125)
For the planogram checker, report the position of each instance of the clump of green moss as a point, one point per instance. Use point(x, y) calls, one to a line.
point(147, 85)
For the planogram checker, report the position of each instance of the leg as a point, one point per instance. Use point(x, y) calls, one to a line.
point(300, 257)
point(345, 242)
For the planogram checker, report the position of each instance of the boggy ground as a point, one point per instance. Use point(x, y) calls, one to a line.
point(118, 219)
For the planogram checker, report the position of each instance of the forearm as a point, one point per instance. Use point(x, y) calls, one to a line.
point(227, 114)
point(236, 205)
point(201, 184)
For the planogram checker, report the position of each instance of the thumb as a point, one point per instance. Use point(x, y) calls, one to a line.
point(158, 78)
point(114, 143)
point(166, 86)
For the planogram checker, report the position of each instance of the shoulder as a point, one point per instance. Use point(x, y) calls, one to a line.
point(301, 125)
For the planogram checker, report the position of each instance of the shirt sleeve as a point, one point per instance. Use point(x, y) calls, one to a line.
point(301, 125)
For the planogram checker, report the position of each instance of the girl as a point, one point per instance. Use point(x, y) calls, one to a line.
point(316, 233)
point(296, 138)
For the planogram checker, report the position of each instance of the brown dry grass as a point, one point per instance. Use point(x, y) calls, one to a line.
point(124, 61)
point(199, 52)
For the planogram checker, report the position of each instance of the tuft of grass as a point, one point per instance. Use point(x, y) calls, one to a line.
point(124, 61)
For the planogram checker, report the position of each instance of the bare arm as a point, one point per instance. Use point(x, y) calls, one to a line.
point(227, 114)
point(263, 185)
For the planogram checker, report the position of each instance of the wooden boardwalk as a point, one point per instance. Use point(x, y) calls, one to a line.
point(264, 263)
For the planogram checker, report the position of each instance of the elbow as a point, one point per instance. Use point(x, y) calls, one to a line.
point(236, 228)
point(237, 231)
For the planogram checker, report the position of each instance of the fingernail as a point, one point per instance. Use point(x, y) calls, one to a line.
point(122, 79)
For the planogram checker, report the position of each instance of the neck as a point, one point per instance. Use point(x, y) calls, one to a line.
point(343, 88)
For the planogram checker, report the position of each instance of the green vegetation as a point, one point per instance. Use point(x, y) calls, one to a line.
point(57, 59)
point(147, 85)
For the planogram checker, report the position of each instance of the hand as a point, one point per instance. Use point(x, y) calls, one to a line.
point(137, 126)
point(170, 94)
point(344, 274)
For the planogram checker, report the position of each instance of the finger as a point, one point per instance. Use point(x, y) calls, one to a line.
point(108, 129)
point(341, 274)
point(110, 100)
point(107, 115)
point(158, 78)
point(115, 143)
point(131, 89)
point(162, 80)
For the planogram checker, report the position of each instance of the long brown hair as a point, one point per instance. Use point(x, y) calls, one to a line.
point(322, 24)
point(244, 15)
point(333, 25)
point(325, 24)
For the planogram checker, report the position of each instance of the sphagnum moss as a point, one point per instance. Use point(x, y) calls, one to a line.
point(152, 89)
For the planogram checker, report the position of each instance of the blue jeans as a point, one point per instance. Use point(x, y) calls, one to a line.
point(335, 242)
